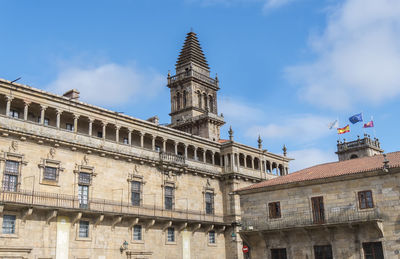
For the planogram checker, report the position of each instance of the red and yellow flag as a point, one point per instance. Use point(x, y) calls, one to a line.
point(343, 130)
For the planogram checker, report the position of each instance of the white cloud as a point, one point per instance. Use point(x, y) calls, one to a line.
point(298, 128)
point(309, 157)
point(109, 84)
point(239, 112)
point(273, 4)
point(357, 57)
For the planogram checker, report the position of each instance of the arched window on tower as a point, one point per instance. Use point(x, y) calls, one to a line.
point(178, 101)
point(184, 99)
point(205, 101)
point(199, 99)
point(211, 105)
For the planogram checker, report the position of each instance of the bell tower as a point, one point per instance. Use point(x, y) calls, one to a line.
point(194, 93)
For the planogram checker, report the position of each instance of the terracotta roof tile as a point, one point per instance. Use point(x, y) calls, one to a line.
point(333, 169)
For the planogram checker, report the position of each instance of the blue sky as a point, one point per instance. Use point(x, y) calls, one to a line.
point(286, 67)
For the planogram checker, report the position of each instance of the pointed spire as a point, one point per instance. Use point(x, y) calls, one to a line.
point(259, 142)
point(230, 133)
point(192, 52)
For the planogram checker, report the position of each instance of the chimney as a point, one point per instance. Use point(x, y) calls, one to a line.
point(72, 94)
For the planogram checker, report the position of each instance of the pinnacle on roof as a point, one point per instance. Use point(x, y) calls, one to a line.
point(192, 52)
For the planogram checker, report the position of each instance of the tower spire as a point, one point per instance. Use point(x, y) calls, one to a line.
point(192, 53)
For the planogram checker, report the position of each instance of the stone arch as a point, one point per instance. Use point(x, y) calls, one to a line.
point(184, 99)
point(199, 99)
point(211, 103)
point(353, 156)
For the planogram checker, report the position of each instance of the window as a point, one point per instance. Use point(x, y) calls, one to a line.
point(199, 99)
point(83, 196)
point(209, 197)
point(50, 173)
point(9, 224)
point(10, 180)
point(137, 232)
point(318, 210)
point(365, 199)
point(14, 114)
point(373, 250)
point(278, 253)
point(274, 210)
point(158, 148)
point(136, 192)
point(323, 252)
point(125, 141)
point(83, 228)
point(69, 127)
point(168, 197)
point(84, 178)
point(46, 121)
point(171, 235)
point(211, 105)
point(99, 134)
point(211, 237)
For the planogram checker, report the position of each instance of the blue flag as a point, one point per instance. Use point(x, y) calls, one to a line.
point(356, 118)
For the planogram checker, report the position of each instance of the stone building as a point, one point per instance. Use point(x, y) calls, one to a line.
point(346, 209)
point(80, 181)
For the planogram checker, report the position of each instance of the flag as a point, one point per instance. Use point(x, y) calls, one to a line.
point(356, 118)
point(333, 124)
point(343, 130)
point(368, 124)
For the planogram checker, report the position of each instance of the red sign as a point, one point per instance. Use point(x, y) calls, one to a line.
point(245, 249)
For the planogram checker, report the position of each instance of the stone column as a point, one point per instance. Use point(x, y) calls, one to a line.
point(141, 139)
point(26, 109)
point(153, 142)
point(8, 106)
point(213, 158)
point(104, 124)
point(164, 145)
point(58, 112)
point(245, 161)
point(76, 117)
point(90, 132)
point(204, 155)
point(186, 151)
point(176, 148)
point(129, 136)
point(232, 162)
point(195, 153)
point(42, 113)
point(252, 163)
point(117, 133)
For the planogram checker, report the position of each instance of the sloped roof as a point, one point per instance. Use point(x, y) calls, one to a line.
point(333, 169)
point(192, 52)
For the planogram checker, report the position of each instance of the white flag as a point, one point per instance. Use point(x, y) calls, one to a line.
point(333, 124)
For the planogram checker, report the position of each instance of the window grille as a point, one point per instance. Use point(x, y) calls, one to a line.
point(171, 235)
point(323, 252)
point(12, 167)
point(209, 197)
point(373, 250)
point(83, 196)
point(83, 228)
point(137, 232)
point(84, 178)
point(211, 237)
point(9, 224)
point(50, 173)
point(278, 253)
point(135, 193)
point(169, 197)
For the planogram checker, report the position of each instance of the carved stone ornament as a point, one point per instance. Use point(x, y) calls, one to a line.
point(13, 146)
point(208, 182)
point(85, 160)
point(52, 153)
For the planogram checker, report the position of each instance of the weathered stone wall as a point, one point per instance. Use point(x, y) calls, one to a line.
point(340, 201)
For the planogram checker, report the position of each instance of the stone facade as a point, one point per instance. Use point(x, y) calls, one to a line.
point(348, 223)
point(358, 148)
point(80, 181)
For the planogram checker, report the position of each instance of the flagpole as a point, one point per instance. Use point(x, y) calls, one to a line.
point(372, 119)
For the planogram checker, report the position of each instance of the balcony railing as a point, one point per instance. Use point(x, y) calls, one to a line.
point(63, 201)
point(195, 74)
point(301, 220)
point(170, 157)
